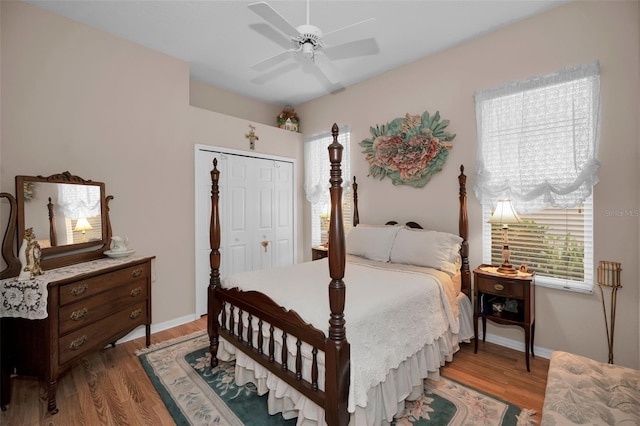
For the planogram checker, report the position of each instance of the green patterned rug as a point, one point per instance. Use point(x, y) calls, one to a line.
point(197, 395)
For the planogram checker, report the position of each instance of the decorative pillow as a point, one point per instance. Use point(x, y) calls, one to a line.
point(433, 249)
point(371, 242)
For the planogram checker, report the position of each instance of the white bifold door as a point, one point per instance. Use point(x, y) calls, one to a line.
point(256, 214)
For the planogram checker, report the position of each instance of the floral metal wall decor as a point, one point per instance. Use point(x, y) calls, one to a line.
point(408, 150)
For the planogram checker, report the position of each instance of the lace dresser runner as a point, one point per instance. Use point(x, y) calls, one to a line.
point(28, 299)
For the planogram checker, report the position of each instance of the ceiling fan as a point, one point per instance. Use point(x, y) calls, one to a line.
point(311, 45)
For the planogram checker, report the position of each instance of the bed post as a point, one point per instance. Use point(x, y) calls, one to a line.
point(356, 215)
point(213, 305)
point(337, 355)
point(463, 231)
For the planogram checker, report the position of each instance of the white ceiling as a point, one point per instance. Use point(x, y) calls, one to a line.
point(222, 39)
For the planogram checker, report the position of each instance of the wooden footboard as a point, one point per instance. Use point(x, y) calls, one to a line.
point(243, 319)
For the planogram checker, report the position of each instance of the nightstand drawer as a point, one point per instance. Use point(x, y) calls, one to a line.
point(319, 252)
point(503, 287)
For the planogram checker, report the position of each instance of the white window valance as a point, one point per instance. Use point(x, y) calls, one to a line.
point(538, 140)
point(317, 165)
point(78, 201)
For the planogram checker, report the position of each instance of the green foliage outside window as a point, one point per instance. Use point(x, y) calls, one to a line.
point(542, 249)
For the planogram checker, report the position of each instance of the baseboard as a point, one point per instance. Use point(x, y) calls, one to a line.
point(139, 332)
point(518, 345)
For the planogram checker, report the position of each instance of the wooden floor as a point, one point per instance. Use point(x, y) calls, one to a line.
point(111, 388)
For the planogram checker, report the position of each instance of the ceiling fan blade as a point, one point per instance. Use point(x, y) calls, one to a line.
point(272, 34)
point(269, 14)
point(274, 60)
point(327, 68)
point(357, 31)
point(368, 46)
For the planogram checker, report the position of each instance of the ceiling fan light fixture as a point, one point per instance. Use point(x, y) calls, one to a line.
point(308, 50)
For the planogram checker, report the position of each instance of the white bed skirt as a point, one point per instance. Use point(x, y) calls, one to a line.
point(386, 401)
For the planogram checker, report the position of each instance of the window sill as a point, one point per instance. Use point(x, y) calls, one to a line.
point(564, 285)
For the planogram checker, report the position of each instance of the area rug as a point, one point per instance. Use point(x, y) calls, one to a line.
point(195, 394)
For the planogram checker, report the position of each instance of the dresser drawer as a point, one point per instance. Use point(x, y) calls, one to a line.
point(101, 332)
point(81, 289)
point(502, 287)
point(90, 309)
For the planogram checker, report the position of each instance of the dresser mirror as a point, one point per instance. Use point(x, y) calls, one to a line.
point(69, 217)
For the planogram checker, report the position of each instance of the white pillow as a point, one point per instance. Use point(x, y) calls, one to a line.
point(433, 249)
point(371, 242)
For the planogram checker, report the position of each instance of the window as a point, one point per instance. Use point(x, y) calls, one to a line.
point(537, 147)
point(556, 243)
point(317, 168)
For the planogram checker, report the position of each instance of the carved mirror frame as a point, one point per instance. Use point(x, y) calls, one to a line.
point(57, 255)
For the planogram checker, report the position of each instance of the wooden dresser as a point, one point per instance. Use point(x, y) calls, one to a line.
point(87, 311)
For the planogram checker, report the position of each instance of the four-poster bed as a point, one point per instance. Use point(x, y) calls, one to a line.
point(289, 346)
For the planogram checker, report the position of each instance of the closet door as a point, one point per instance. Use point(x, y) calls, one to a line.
point(263, 210)
point(283, 216)
point(256, 215)
point(235, 221)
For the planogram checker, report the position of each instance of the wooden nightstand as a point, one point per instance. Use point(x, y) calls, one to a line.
point(319, 252)
point(518, 291)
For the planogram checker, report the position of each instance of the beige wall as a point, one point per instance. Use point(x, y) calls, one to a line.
point(203, 95)
point(74, 98)
point(573, 34)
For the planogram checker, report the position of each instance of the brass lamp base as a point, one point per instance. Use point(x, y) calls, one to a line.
point(507, 269)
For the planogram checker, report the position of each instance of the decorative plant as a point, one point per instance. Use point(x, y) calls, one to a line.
point(408, 150)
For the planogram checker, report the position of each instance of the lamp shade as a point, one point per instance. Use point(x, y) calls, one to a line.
point(82, 225)
point(326, 211)
point(504, 214)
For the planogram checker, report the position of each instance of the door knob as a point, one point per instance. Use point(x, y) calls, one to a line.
point(265, 244)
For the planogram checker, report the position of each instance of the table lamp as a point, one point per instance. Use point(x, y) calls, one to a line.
point(83, 225)
point(505, 214)
point(325, 217)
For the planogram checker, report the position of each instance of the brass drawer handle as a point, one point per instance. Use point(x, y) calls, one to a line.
point(76, 315)
point(498, 287)
point(135, 314)
point(75, 345)
point(78, 290)
point(136, 273)
point(136, 291)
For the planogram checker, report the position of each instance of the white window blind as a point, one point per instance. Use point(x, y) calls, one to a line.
point(537, 146)
point(317, 168)
point(556, 243)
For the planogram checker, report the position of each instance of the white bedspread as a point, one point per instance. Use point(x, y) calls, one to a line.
point(390, 313)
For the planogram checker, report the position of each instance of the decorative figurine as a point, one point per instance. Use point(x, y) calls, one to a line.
point(288, 119)
point(252, 137)
point(29, 257)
